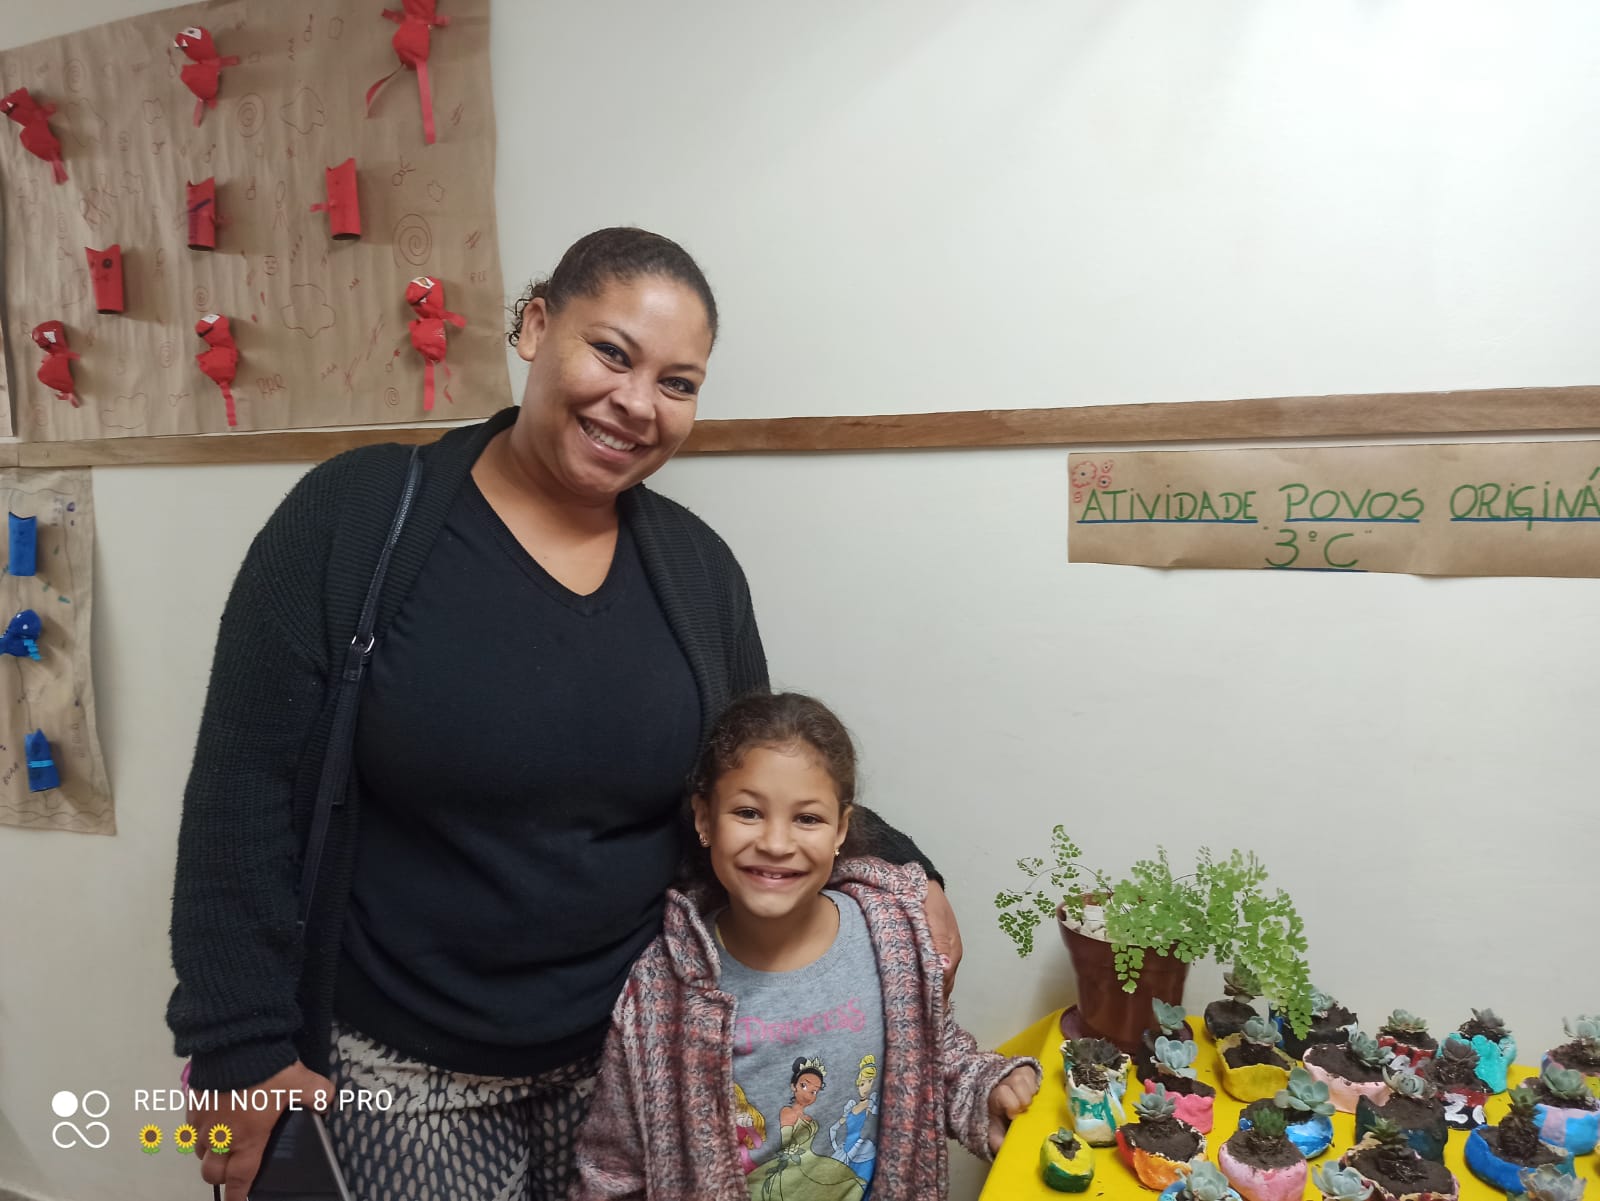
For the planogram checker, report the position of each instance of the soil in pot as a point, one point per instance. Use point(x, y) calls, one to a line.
point(1262, 1152)
point(1337, 1060)
point(1320, 1034)
point(1227, 1017)
point(1166, 1137)
point(1145, 1057)
point(1519, 1146)
point(1247, 1053)
point(1422, 1120)
point(1576, 1055)
point(1399, 1175)
point(1311, 1135)
point(1541, 1091)
point(1473, 1028)
point(1095, 1062)
point(1183, 1086)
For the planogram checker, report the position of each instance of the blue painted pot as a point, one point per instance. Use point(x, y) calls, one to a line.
point(1171, 1192)
point(1494, 1059)
point(1311, 1136)
point(1575, 1131)
point(1488, 1167)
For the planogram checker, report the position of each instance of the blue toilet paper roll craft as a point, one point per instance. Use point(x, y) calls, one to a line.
point(42, 773)
point(24, 545)
point(22, 635)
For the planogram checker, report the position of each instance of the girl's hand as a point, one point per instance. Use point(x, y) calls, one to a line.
point(1009, 1098)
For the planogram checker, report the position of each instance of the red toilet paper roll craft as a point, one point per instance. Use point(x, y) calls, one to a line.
point(342, 206)
point(37, 139)
point(220, 359)
point(412, 44)
point(202, 209)
point(426, 296)
point(105, 268)
point(55, 372)
point(202, 75)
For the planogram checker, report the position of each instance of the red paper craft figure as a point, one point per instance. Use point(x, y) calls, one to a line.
point(412, 43)
point(55, 372)
point(203, 75)
point(220, 359)
point(202, 210)
point(426, 295)
point(342, 207)
point(105, 268)
point(36, 136)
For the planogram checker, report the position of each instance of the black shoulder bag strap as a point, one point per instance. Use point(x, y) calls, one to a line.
point(341, 737)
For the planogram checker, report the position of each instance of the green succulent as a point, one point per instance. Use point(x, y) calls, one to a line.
point(1240, 983)
point(1549, 1183)
point(1223, 909)
point(1566, 1083)
point(1066, 1142)
point(1321, 1003)
point(1365, 1048)
point(1406, 1083)
point(1489, 1024)
point(1170, 1018)
point(1304, 1094)
point(1176, 1056)
point(1270, 1123)
point(1402, 1021)
point(1205, 1182)
point(1341, 1184)
point(1155, 1105)
point(1584, 1031)
point(1456, 1047)
point(1261, 1031)
point(1522, 1099)
point(1389, 1142)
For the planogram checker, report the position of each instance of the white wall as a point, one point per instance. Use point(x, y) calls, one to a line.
point(930, 205)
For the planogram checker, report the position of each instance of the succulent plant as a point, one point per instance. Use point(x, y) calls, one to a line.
point(1066, 1142)
point(1404, 1082)
point(1389, 1143)
point(1487, 1023)
point(1402, 1021)
point(1170, 1018)
point(1155, 1105)
point(1205, 1182)
point(1269, 1123)
point(1304, 1094)
point(1260, 1031)
point(1365, 1049)
point(1241, 984)
point(1585, 1031)
point(1522, 1101)
point(1341, 1184)
point(1176, 1056)
point(1090, 1060)
point(1549, 1183)
point(1567, 1084)
point(1321, 1003)
point(1457, 1048)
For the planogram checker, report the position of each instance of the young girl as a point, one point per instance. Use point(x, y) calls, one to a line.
point(750, 1007)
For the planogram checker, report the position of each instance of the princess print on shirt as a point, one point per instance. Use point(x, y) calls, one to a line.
point(851, 1139)
point(798, 1172)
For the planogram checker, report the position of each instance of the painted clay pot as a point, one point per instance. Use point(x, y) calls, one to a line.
point(1192, 1109)
point(1311, 1134)
point(1487, 1166)
point(1262, 1184)
point(1575, 1131)
point(1427, 1137)
point(1226, 1017)
point(1342, 1091)
point(1463, 1105)
point(1494, 1059)
point(1154, 1170)
point(1096, 1113)
point(1104, 1009)
point(1325, 1028)
point(1252, 1081)
point(1173, 1190)
point(1066, 1163)
point(1447, 1187)
point(1591, 1076)
point(1410, 1055)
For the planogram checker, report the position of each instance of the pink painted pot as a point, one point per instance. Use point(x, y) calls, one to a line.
point(1196, 1111)
point(1274, 1184)
point(1345, 1093)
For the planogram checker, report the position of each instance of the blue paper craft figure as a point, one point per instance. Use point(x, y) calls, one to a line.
point(42, 773)
point(24, 545)
point(22, 635)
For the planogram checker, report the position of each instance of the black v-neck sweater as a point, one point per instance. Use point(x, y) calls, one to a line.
point(253, 994)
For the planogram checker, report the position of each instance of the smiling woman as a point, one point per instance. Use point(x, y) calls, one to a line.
point(552, 642)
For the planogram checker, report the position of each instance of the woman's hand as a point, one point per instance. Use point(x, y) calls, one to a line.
point(946, 933)
point(1007, 1099)
point(236, 1170)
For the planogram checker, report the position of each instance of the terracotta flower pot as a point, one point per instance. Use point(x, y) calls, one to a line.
point(1489, 1167)
point(1262, 1184)
point(1104, 1009)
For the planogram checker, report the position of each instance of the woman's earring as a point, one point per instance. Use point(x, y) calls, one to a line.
point(704, 841)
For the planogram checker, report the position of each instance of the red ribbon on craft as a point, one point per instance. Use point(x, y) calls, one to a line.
point(426, 297)
point(55, 372)
point(37, 139)
point(342, 206)
point(220, 359)
point(203, 75)
point(105, 269)
point(412, 43)
point(201, 204)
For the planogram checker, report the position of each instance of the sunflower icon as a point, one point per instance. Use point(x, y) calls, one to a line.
point(183, 1139)
point(221, 1139)
point(150, 1140)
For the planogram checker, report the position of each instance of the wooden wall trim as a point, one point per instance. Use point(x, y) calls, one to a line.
point(1370, 415)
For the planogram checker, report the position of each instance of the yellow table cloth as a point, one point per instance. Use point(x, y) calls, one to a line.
point(1015, 1174)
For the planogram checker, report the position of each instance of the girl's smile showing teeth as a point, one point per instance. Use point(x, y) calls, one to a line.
point(604, 438)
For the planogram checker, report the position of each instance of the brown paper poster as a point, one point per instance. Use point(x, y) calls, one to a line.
point(321, 324)
point(1505, 508)
point(55, 693)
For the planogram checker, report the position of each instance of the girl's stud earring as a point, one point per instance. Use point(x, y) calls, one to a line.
point(705, 842)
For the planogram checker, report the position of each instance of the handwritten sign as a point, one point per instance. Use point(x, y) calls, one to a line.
point(1504, 508)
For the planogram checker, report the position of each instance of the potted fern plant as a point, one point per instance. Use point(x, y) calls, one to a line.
point(1132, 938)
